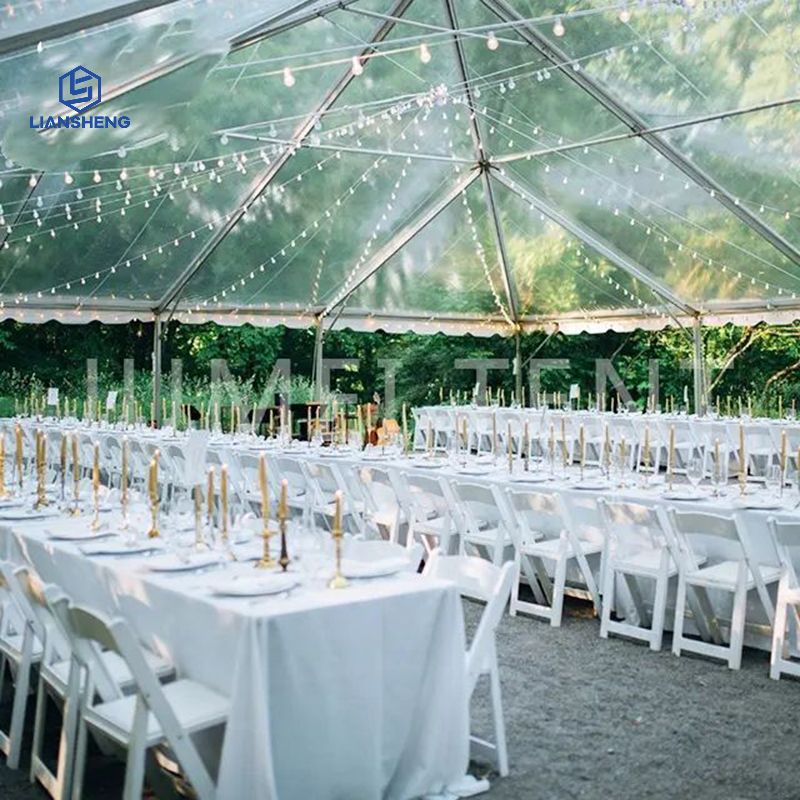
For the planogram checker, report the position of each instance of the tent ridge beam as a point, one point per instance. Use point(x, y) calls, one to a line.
point(403, 236)
point(480, 153)
point(559, 59)
point(261, 183)
point(596, 242)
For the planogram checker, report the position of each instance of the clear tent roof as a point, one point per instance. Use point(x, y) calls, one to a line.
point(403, 164)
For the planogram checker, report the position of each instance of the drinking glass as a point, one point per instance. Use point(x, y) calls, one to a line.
point(695, 471)
point(719, 473)
point(773, 479)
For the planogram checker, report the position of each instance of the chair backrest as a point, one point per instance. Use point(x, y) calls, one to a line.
point(478, 505)
point(477, 579)
point(786, 538)
point(695, 530)
point(632, 526)
point(380, 550)
point(534, 514)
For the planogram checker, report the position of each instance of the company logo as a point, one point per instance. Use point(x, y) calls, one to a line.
point(79, 89)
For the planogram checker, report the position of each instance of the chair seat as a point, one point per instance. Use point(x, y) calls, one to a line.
point(642, 562)
point(550, 548)
point(194, 705)
point(487, 536)
point(723, 575)
point(433, 526)
point(11, 646)
point(57, 675)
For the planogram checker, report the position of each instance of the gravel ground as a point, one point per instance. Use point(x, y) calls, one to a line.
point(594, 718)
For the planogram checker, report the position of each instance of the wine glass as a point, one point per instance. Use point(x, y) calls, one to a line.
point(719, 473)
point(695, 472)
point(772, 479)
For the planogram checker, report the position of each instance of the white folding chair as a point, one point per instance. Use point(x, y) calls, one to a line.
point(482, 527)
point(478, 579)
point(786, 538)
point(20, 650)
point(543, 533)
point(429, 511)
point(154, 716)
point(379, 499)
point(380, 550)
point(731, 571)
point(639, 546)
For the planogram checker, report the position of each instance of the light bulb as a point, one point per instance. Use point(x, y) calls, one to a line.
point(424, 53)
point(288, 78)
point(625, 15)
point(357, 67)
point(68, 178)
point(558, 28)
point(32, 182)
point(492, 42)
point(96, 177)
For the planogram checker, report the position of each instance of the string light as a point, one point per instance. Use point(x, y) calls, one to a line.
point(288, 78)
point(558, 28)
point(424, 53)
point(492, 41)
point(357, 67)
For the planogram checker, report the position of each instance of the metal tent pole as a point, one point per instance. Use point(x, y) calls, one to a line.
point(317, 368)
point(518, 365)
point(156, 415)
point(699, 369)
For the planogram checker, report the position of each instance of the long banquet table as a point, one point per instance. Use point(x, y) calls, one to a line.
point(359, 693)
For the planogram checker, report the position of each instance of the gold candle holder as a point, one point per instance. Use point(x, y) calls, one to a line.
point(62, 472)
point(153, 533)
point(41, 466)
point(283, 514)
point(223, 512)
point(210, 503)
point(18, 454)
point(200, 544)
point(95, 524)
point(338, 581)
point(266, 561)
point(124, 498)
point(76, 478)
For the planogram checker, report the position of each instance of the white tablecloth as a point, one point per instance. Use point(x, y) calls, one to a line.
point(355, 694)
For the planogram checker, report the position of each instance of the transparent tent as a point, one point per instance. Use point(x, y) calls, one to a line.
point(482, 166)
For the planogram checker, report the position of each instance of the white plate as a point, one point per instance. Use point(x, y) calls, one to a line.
point(270, 583)
point(471, 471)
point(591, 486)
point(23, 514)
point(530, 477)
point(11, 503)
point(83, 535)
point(351, 568)
point(677, 494)
point(759, 504)
point(119, 549)
point(428, 464)
point(171, 563)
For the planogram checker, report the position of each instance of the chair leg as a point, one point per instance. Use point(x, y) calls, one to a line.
point(778, 632)
point(512, 608)
point(499, 722)
point(659, 608)
point(559, 581)
point(737, 622)
point(20, 704)
point(608, 600)
point(38, 728)
point(680, 611)
point(137, 749)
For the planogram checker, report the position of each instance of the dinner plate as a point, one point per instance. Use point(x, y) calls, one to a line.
point(25, 514)
point(677, 494)
point(353, 568)
point(270, 583)
point(591, 486)
point(171, 563)
point(529, 477)
point(120, 549)
point(428, 464)
point(759, 503)
point(471, 471)
point(82, 535)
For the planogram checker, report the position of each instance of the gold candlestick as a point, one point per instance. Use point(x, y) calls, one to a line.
point(671, 456)
point(124, 499)
point(646, 453)
point(63, 467)
point(783, 460)
point(153, 533)
point(283, 513)
point(95, 524)
point(526, 443)
point(76, 477)
point(18, 454)
point(210, 502)
point(266, 561)
point(41, 466)
point(582, 446)
point(742, 462)
point(338, 581)
point(200, 545)
point(223, 512)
